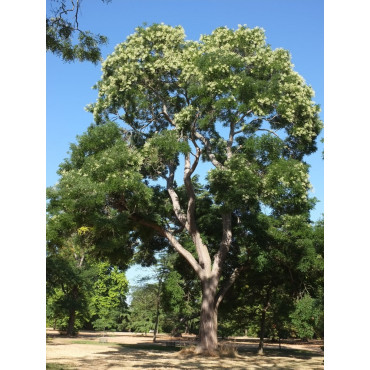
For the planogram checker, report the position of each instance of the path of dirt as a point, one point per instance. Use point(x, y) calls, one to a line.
point(90, 350)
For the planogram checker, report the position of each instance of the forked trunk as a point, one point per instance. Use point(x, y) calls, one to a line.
point(208, 321)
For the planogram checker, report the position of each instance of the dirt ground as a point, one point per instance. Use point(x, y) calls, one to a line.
point(93, 350)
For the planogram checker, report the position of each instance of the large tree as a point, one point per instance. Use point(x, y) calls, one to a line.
point(165, 105)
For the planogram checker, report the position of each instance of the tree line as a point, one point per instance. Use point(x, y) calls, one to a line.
point(96, 296)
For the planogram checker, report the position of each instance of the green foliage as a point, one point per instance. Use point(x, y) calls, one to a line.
point(95, 293)
point(80, 288)
point(180, 299)
point(61, 32)
point(143, 308)
point(224, 74)
point(67, 288)
point(285, 261)
point(155, 75)
point(306, 317)
point(107, 304)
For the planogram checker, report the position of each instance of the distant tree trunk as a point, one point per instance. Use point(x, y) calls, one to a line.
point(72, 314)
point(157, 313)
point(262, 332)
point(156, 323)
point(263, 322)
point(71, 322)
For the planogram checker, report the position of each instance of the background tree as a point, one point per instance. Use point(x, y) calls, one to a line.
point(308, 316)
point(143, 308)
point(67, 293)
point(79, 282)
point(275, 292)
point(61, 29)
point(229, 100)
point(108, 307)
point(181, 297)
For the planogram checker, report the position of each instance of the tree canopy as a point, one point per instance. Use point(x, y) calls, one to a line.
point(165, 104)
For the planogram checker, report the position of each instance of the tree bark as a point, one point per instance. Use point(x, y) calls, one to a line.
point(71, 322)
point(262, 331)
point(72, 314)
point(208, 319)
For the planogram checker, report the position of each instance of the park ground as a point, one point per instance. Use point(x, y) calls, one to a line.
point(113, 351)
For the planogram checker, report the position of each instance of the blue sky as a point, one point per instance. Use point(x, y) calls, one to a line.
point(294, 25)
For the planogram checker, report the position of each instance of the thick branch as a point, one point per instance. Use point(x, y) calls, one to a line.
point(165, 113)
point(202, 251)
point(174, 242)
point(174, 197)
point(207, 145)
point(224, 245)
point(229, 145)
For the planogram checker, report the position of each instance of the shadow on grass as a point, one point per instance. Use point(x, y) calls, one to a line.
point(148, 356)
point(246, 351)
point(163, 355)
point(283, 352)
point(127, 358)
point(140, 346)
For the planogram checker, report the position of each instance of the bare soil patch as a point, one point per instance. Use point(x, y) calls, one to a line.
point(132, 351)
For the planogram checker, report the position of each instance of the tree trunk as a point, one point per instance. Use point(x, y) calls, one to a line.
point(208, 320)
point(263, 321)
point(71, 322)
point(72, 312)
point(156, 322)
point(157, 310)
point(262, 331)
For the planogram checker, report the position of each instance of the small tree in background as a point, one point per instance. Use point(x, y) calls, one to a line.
point(67, 293)
point(108, 306)
point(306, 317)
point(143, 308)
point(274, 296)
point(79, 283)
